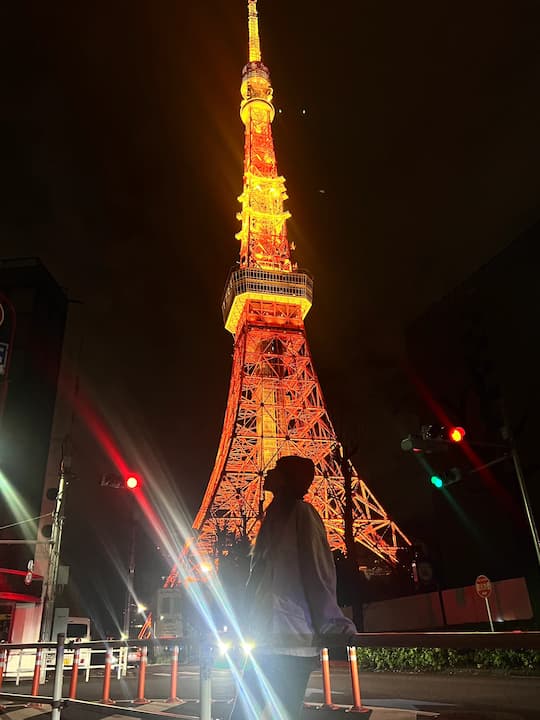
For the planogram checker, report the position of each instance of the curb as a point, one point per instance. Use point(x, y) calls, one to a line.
point(157, 710)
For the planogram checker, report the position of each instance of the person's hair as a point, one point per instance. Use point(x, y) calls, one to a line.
point(299, 472)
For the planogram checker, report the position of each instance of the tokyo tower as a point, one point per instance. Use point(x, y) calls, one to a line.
point(275, 405)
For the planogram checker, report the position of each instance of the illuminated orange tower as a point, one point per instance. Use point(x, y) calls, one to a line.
point(275, 405)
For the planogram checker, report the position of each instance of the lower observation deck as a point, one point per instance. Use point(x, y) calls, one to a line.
point(294, 288)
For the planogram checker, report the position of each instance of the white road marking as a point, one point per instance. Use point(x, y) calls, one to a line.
point(168, 674)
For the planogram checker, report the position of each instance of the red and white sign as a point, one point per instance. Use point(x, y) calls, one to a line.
point(482, 586)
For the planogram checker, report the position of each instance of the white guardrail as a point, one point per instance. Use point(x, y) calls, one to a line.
point(21, 662)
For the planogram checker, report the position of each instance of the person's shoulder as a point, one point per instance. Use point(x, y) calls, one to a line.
point(307, 512)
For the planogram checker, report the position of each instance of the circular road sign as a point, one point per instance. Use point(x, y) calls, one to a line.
point(482, 586)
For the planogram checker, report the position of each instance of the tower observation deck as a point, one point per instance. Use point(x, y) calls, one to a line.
point(275, 405)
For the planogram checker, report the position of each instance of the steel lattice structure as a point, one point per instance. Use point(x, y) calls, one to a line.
point(275, 405)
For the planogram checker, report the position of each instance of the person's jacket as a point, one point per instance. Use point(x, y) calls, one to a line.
point(291, 591)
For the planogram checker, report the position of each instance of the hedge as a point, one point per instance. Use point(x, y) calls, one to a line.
point(439, 659)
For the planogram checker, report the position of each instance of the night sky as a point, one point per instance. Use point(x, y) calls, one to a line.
point(408, 135)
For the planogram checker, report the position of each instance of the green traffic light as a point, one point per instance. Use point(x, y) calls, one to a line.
point(437, 481)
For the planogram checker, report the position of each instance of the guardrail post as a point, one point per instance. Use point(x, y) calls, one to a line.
point(74, 674)
point(174, 676)
point(106, 700)
point(143, 661)
point(18, 671)
point(58, 677)
point(205, 682)
point(355, 681)
point(325, 667)
point(3, 664)
point(35, 679)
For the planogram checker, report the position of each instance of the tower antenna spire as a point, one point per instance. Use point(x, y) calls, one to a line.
point(253, 31)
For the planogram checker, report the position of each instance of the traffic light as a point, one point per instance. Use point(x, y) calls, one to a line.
point(421, 444)
point(433, 432)
point(448, 477)
point(131, 481)
point(456, 434)
point(437, 481)
point(433, 438)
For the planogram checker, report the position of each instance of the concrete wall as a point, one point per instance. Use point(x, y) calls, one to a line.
point(509, 601)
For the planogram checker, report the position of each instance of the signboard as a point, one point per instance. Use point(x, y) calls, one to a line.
point(482, 586)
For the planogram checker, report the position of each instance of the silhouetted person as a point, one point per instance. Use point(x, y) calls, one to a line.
point(291, 598)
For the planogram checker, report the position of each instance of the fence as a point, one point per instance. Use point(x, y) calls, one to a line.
point(21, 660)
point(120, 650)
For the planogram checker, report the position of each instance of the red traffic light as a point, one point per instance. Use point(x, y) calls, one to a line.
point(132, 481)
point(456, 434)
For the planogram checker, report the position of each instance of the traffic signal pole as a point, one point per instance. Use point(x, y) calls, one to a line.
point(131, 575)
point(511, 449)
point(130, 482)
point(428, 445)
point(526, 501)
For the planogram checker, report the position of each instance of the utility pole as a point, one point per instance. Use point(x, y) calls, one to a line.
point(49, 589)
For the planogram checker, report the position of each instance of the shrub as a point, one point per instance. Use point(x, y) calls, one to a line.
point(440, 660)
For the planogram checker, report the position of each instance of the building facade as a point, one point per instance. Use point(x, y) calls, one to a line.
point(32, 345)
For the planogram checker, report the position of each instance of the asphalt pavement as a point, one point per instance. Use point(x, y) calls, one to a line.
point(386, 696)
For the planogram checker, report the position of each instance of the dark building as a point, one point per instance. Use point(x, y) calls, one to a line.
point(474, 361)
point(33, 346)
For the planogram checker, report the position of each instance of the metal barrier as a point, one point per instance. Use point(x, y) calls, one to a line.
point(463, 640)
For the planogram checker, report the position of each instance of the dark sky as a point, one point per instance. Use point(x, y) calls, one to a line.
point(416, 161)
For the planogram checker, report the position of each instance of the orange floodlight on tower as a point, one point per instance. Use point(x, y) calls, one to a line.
point(275, 405)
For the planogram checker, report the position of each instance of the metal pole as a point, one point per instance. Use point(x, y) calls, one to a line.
point(49, 589)
point(205, 682)
point(58, 677)
point(526, 502)
point(131, 576)
point(489, 615)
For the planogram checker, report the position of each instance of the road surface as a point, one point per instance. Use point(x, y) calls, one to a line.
point(462, 695)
